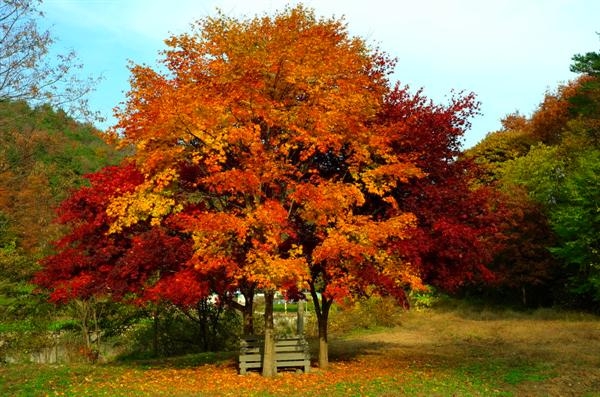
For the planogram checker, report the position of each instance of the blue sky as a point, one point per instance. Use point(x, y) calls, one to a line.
point(509, 52)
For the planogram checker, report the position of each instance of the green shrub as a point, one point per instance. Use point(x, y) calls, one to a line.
point(420, 300)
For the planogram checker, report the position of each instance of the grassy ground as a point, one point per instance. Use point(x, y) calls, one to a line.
point(433, 353)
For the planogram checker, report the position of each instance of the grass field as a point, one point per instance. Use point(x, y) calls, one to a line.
point(450, 352)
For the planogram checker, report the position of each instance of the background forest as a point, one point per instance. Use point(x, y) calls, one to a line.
point(514, 220)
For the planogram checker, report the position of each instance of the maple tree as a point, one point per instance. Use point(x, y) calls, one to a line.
point(525, 270)
point(144, 264)
point(273, 154)
point(262, 142)
point(81, 267)
point(459, 220)
point(90, 262)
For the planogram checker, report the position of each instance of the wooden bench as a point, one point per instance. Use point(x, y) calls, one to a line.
point(289, 353)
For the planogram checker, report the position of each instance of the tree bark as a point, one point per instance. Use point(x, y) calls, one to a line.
point(323, 346)
point(248, 314)
point(322, 311)
point(323, 343)
point(300, 318)
point(269, 369)
point(82, 311)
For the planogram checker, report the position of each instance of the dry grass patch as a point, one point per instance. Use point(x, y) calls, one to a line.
point(541, 353)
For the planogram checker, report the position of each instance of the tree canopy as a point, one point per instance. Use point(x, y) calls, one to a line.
point(276, 150)
point(550, 159)
point(262, 142)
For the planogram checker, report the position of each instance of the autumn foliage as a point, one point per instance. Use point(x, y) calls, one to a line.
point(273, 153)
point(459, 223)
point(272, 126)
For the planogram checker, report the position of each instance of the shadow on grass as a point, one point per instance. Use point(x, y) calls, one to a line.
point(486, 311)
point(351, 349)
point(223, 358)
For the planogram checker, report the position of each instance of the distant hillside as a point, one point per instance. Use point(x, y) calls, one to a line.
point(44, 155)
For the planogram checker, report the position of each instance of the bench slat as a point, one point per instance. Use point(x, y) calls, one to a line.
point(289, 353)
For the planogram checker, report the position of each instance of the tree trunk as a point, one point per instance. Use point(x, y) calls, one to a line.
point(322, 311)
point(81, 309)
point(269, 368)
point(155, 329)
point(300, 318)
point(202, 310)
point(97, 332)
point(323, 345)
point(96, 313)
point(248, 314)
